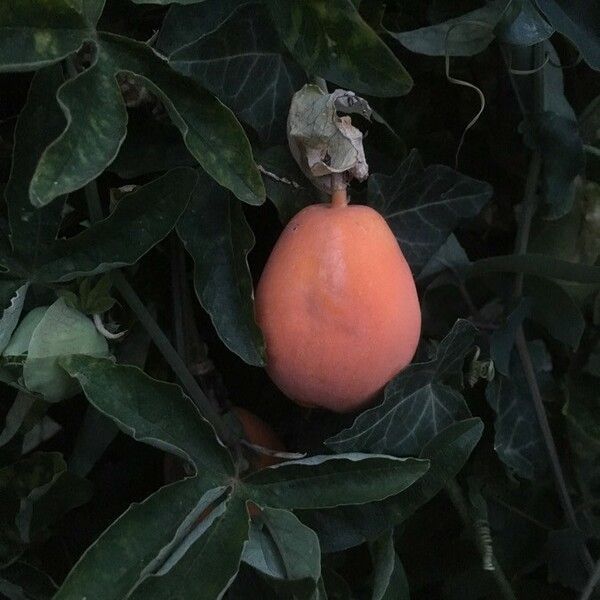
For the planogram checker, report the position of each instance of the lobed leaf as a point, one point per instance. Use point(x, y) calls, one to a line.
point(282, 548)
point(518, 439)
point(424, 205)
point(329, 481)
point(13, 293)
point(97, 122)
point(330, 39)
point(140, 221)
point(153, 412)
point(92, 10)
point(34, 34)
point(348, 526)
point(22, 485)
point(134, 546)
point(579, 21)
point(215, 232)
point(466, 35)
point(389, 578)
point(246, 67)
point(557, 138)
point(33, 230)
point(526, 28)
point(96, 127)
point(417, 405)
point(185, 24)
point(541, 265)
point(210, 563)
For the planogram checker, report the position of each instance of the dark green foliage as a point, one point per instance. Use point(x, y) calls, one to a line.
point(139, 140)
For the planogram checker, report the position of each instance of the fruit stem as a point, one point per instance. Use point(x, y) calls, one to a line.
point(339, 198)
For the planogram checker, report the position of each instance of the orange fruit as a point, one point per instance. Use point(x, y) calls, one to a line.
point(257, 432)
point(338, 306)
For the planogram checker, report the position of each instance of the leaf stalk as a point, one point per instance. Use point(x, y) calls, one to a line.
point(460, 504)
point(157, 335)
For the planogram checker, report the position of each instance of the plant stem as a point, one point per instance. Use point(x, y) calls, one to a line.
point(169, 353)
point(528, 209)
point(157, 335)
point(460, 504)
point(542, 417)
point(591, 584)
point(177, 278)
point(529, 206)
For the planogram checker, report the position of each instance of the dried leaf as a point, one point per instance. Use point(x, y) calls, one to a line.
point(322, 142)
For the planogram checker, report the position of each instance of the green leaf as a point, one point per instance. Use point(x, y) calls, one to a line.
point(418, 403)
point(330, 39)
point(502, 340)
point(389, 578)
point(97, 112)
point(579, 21)
point(536, 264)
point(466, 35)
point(550, 300)
point(153, 412)
point(65, 494)
point(349, 526)
point(96, 127)
point(557, 139)
point(424, 205)
point(210, 563)
point(138, 542)
point(565, 563)
point(245, 43)
point(335, 585)
point(282, 548)
point(8, 290)
point(22, 484)
point(21, 338)
point(518, 439)
point(15, 291)
point(20, 411)
point(210, 130)
point(92, 10)
point(527, 28)
point(34, 34)
point(22, 581)
point(450, 256)
point(447, 454)
point(216, 234)
point(287, 187)
point(554, 90)
point(329, 481)
point(33, 230)
point(185, 24)
point(151, 146)
point(582, 415)
point(141, 220)
point(60, 332)
point(165, 2)
point(96, 433)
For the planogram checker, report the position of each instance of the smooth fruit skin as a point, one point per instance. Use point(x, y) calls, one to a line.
point(338, 307)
